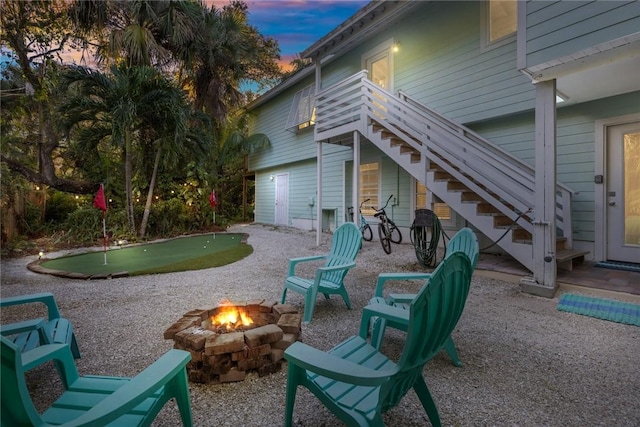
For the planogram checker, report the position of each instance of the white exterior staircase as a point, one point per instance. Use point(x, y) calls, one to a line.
point(489, 187)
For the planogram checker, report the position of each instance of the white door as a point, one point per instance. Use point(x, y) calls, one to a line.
point(623, 192)
point(379, 67)
point(282, 199)
point(379, 64)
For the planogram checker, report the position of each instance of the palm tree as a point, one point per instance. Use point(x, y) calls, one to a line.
point(233, 142)
point(226, 51)
point(178, 135)
point(122, 107)
point(138, 32)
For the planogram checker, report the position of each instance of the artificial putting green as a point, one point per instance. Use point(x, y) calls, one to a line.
point(184, 253)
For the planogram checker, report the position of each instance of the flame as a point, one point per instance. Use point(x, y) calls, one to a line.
point(231, 317)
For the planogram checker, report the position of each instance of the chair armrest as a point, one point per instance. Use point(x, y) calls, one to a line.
point(388, 312)
point(400, 298)
point(330, 366)
point(45, 297)
point(294, 261)
point(346, 266)
point(60, 353)
point(385, 277)
point(24, 326)
point(135, 391)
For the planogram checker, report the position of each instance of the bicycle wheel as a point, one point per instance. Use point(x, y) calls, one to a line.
point(394, 233)
point(385, 238)
point(367, 234)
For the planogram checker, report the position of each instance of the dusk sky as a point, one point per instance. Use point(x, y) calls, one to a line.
point(297, 24)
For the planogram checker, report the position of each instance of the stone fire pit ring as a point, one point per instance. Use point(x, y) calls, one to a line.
point(219, 355)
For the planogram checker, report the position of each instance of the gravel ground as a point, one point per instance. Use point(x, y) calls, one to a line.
point(525, 363)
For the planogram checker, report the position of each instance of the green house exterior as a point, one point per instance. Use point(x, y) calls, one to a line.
point(463, 98)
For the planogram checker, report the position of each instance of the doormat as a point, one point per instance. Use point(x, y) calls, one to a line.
point(606, 309)
point(615, 265)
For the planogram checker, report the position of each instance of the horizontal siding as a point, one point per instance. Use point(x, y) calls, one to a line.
point(265, 196)
point(441, 64)
point(285, 146)
point(302, 186)
point(557, 29)
point(575, 150)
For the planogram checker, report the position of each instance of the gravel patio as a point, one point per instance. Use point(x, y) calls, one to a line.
point(525, 363)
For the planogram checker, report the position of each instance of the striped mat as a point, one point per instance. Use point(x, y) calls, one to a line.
point(615, 265)
point(606, 309)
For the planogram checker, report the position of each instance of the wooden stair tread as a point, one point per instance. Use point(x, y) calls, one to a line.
point(568, 254)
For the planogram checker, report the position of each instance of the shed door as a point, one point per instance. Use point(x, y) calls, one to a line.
point(623, 192)
point(282, 199)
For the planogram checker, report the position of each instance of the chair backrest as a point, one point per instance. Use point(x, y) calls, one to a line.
point(16, 407)
point(465, 241)
point(345, 246)
point(434, 313)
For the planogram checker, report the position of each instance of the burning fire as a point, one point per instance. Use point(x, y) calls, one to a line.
point(230, 318)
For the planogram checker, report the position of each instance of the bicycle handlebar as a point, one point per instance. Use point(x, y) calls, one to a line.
point(385, 205)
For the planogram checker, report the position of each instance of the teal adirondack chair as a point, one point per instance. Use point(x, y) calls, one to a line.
point(356, 381)
point(329, 279)
point(29, 334)
point(464, 241)
point(92, 400)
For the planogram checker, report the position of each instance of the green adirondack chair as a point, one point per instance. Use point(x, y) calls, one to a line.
point(329, 279)
point(464, 241)
point(29, 334)
point(92, 400)
point(356, 381)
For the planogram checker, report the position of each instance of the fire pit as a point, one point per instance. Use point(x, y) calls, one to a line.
point(232, 338)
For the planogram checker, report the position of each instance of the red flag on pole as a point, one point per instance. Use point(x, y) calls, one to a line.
point(212, 199)
point(99, 201)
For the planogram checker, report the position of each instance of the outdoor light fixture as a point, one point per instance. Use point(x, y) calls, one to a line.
point(271, 178)
point(40, 254)
point(396, 47)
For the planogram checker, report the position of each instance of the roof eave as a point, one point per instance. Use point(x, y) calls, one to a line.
point(278, 89)
point(358, 27)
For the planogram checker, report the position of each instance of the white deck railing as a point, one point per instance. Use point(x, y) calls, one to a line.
point(497, 176)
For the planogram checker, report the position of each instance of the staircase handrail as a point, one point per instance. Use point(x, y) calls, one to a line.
point(563, 192)
point(476, 137)
point(417, 129)
point(507, 179)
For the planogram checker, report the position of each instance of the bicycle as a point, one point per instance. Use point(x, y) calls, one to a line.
point(365, 228)
point(387, 230)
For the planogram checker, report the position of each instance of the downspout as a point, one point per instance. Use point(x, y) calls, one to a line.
point(319, 161)
point(356, 177)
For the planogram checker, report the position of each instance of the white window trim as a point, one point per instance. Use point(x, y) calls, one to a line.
point(304, 99)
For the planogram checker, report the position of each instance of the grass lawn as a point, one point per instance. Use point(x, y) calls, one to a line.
point(180, 254)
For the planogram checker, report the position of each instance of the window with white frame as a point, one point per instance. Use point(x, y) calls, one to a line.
point(303, 110)
point(442, 210)
point(369, 186)
point(500, 21)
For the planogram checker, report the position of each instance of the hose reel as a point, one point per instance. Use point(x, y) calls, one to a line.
point(425, 235)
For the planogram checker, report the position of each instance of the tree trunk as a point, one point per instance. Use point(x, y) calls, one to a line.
point(128, 177)
point(147, 206)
